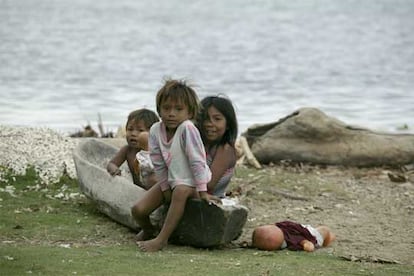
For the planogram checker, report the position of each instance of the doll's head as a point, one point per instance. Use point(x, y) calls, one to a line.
point(267, 237)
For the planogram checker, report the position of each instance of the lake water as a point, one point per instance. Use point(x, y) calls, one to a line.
point(63, 62)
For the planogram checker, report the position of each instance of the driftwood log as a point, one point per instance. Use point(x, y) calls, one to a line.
point(308, 135)
point(247, 153)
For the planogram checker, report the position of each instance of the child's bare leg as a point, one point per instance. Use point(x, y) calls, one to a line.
point(178, 201)
point(327, 235)
point(143, 208)
point(151, 180)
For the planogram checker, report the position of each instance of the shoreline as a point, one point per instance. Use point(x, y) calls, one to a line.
point(49, 151)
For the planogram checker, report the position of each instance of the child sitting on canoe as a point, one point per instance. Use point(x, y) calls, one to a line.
point(138, 121)
point(179, 158)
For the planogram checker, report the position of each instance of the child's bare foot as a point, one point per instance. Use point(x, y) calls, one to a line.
point(144, 235)
point(151, 245)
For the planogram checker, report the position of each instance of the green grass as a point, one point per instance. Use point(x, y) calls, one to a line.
point(53, 230)
point(126, 260)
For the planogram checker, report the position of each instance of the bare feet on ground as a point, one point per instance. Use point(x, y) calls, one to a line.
point(143, 236)
point(151, 245)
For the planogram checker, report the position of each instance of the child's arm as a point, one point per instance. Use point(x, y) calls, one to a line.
point(160, 168)
point(204, 196)
point(224, 159)
point(196, 154)
point(116, 161)
point(210, 198)
point(113, 169)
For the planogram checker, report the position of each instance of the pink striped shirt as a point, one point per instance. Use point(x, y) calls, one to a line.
point(180, 161)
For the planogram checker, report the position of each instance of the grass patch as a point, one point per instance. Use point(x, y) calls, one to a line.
point(54, 230)
point(126, 260)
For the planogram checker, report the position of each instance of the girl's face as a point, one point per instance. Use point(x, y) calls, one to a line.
point(133, 130)
point(173, 113)
point(214, 125)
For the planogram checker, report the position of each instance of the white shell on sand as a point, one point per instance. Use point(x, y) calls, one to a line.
point(48, 151)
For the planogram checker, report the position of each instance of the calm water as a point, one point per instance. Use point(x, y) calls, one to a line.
point(63, 62)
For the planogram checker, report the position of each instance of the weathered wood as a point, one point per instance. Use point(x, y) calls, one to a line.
point(308, 135)
point(100, 125)
point(248, 153)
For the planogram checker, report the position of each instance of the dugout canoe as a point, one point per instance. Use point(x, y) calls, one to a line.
point(203, 224)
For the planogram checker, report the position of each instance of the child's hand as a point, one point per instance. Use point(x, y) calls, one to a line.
point(113, 169)
point(209, 198)
point(204, 196)
point(215, 199)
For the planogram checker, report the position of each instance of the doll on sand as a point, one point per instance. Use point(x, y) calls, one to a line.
point(291, 235)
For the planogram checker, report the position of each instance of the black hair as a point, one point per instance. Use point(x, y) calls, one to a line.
point(225, 106)
point(178, 90)
point(149, 117)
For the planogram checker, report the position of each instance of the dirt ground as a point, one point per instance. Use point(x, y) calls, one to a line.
point(371, 210)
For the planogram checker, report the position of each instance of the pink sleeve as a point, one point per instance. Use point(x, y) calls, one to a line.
point(160, 168)
point(196, 154)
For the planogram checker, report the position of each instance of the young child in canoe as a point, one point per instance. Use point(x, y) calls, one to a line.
point(146, 168)
point(138, 121)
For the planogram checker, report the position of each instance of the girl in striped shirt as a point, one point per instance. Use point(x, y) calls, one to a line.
point(179, 160)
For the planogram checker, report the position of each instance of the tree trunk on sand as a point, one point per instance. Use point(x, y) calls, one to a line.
point(308, 135)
